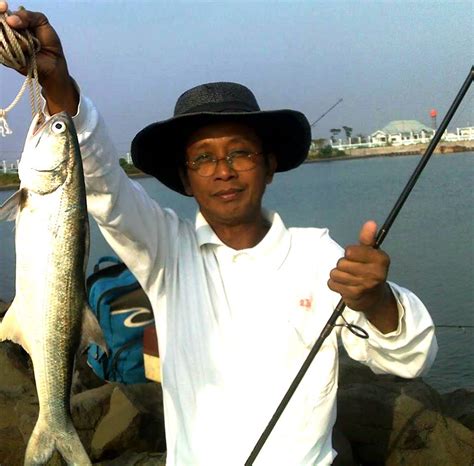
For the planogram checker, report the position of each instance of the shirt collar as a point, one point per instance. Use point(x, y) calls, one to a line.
point(272, 249)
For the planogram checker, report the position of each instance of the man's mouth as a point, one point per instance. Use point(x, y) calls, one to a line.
point(228, 194)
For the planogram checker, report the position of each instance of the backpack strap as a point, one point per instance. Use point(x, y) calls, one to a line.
point(112, 259)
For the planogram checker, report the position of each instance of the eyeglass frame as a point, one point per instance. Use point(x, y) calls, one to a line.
point(191, 164)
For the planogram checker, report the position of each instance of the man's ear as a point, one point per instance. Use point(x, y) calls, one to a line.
point(271, 167)
point(183, 174)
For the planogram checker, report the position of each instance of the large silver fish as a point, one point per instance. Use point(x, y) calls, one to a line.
point(49, 315)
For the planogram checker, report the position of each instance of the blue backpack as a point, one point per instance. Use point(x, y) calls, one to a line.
point(123, 311)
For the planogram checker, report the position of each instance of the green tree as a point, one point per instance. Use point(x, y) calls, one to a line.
point(318, 143)
point(334, 132)
point(9, 179)
point(348, 131)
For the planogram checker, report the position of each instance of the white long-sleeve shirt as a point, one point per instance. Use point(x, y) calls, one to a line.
point(234, 326)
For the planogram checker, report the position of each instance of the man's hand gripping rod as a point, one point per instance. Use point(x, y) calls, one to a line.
point(382, 233)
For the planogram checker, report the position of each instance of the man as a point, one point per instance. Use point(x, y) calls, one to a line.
point(239, 299)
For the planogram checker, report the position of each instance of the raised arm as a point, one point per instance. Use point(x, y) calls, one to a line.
point(134, 225)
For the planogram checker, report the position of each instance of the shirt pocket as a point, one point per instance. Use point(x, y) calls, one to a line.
point(321, 376)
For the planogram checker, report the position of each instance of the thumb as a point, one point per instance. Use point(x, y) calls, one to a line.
point(368, 233)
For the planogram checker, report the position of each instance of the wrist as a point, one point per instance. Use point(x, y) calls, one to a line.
point(384, 313)
point(60, 92)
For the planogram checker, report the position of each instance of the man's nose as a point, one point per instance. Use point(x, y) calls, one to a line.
point(224, 168)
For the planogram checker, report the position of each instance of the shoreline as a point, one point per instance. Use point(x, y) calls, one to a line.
point(403, 153)
point(398, 151)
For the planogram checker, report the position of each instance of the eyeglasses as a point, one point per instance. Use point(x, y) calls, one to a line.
point(238, 160)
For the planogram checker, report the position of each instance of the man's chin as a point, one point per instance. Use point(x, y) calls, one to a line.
point(229, 216)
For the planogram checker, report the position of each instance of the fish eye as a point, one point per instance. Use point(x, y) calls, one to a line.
point(58, 127)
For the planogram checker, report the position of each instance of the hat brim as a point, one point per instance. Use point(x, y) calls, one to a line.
point(158, 149)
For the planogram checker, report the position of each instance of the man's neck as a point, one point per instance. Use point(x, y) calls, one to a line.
point(242, 236)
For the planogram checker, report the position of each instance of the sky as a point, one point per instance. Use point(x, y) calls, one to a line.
point(387, 60)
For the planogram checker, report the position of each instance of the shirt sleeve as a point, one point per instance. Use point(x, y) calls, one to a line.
point(408, 352)
point(136, 227)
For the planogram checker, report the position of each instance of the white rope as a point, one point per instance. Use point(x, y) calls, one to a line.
point(12, 55)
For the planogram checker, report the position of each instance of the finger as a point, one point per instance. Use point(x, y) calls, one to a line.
point(349, 293)
point(3, 7)
point(15, 21)
point(366, 277)
point(368, 233)
point(38, 25)
point(344, 278)
point(373, 270)
point(23, 19)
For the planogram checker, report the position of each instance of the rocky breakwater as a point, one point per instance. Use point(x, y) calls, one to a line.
point(391, 421)
point(118, 424)
point(382, 420)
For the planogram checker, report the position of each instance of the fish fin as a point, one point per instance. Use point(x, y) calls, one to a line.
point(10, 208)
point(91, 331)
point(10, 327)
point(44, 442)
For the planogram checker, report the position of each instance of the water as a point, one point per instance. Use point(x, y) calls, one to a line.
point(430, 244)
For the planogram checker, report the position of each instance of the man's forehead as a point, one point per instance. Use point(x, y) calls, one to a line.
point(225, 130)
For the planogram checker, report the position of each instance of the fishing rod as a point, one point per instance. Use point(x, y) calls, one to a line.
point(382, 233)
point(325, 113)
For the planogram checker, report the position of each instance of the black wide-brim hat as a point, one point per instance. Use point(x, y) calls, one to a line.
point(158, 149)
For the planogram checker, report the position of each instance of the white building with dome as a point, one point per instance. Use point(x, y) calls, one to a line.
point(403, 132)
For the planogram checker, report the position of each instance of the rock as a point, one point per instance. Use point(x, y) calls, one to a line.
point(117, 426)
point(136, 459)
point(16, 370)
point(87, 410)
point(460, 406)
point(18, 403)
point(133, 422)
point(11, 443)
point(422, 436)
point(393, 421)
point(111, 419)
point(340, 443)
point(382, 419)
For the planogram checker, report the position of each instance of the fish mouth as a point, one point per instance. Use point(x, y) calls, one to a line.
point(39, 132)
point(39, 127)
point(49, 170)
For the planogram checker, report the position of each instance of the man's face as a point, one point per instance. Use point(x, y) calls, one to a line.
point(228, 197)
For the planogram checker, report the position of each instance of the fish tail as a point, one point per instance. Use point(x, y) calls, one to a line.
point(44, 442)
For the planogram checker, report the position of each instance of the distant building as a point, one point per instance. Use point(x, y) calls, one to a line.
point(8, 167)
point(461, 134)
point(403, 132)
point(467, 132)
